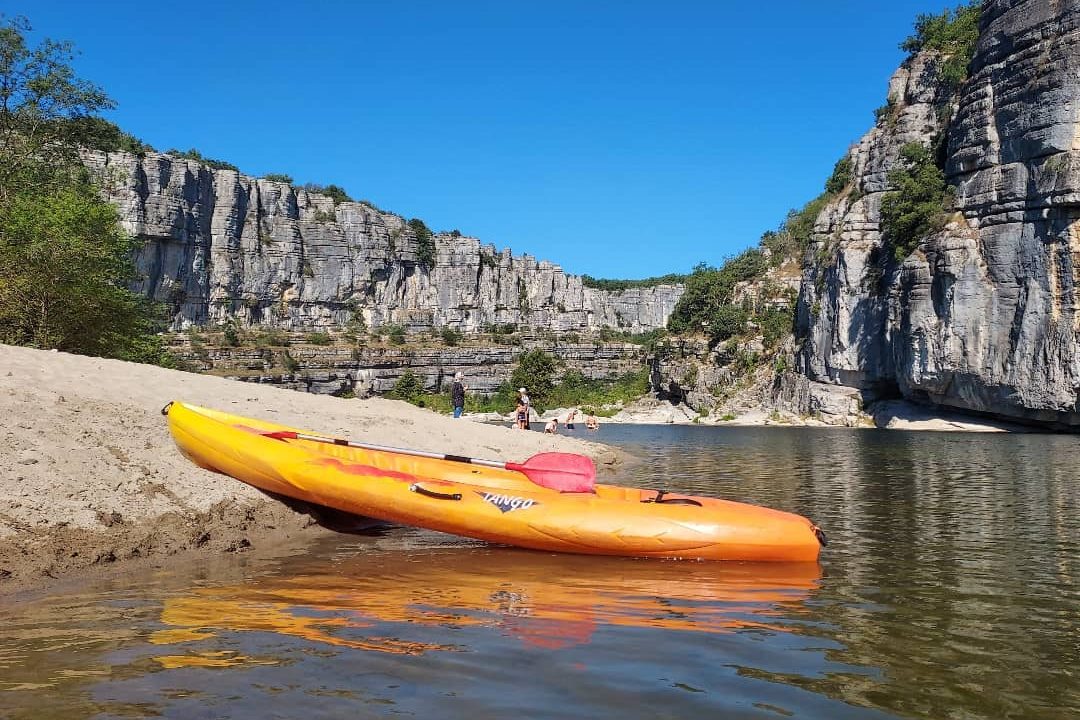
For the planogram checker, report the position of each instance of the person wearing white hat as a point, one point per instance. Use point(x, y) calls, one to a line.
point(524, 397)
point(457, 394)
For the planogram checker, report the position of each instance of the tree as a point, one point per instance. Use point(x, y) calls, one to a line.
point(425, 242)
point(65, 264)
point(39, 96)
point(535, 371)
point(408, 387)
point(916, 208)
point(954, 34)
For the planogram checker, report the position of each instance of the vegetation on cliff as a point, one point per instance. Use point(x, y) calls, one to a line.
point(918, 205)
point(64, 262)
point(953, 33)
point(618, 285)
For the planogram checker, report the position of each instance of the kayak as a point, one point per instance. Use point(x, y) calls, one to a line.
point(486, 503)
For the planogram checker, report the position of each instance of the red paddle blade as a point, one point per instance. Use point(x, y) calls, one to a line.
point(564, 472)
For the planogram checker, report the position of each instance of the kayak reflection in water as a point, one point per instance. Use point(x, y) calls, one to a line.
point(376, 600)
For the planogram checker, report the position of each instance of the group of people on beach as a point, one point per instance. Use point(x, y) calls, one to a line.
point(521, 411)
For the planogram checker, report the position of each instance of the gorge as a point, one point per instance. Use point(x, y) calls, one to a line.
point(980, 315)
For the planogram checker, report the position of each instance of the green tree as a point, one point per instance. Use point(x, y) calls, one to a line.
point(917, 206)
point(39, 97)
point(337, 194)
point(65, 265)
point(408, 387)
point(425, 242)
point(535, 371)
point(954, 34)
point(841, 176)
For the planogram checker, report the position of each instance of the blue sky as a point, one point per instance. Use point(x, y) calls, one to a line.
point(617, 138)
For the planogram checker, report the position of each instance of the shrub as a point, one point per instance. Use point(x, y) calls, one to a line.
point(425, 242)
point(841, 176)
point(408, 387)
point(396, 334)
point(193, 154)
point(953, 33)
point(535, 371)
point(916, 208)
point(278, 177)
point(618, 285)
point(450, 336)
point(706, 302)
point(319, 338)
point(324, 216)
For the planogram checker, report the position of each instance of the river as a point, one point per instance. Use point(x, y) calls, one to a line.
point(948, 589)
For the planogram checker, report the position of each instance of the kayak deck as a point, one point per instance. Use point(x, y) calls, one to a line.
point(489, 504)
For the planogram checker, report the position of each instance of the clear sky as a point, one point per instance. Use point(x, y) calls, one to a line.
point(618, 138)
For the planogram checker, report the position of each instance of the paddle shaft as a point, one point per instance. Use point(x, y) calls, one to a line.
point(402, 451)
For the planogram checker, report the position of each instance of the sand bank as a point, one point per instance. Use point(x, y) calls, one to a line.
point(89, 474)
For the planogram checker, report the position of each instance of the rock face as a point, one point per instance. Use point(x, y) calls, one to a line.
point(221, 245)
point(373, 369)
point(984, 315)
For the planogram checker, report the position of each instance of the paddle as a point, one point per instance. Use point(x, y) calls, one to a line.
point(565, 472)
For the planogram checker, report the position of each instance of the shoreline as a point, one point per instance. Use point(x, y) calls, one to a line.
point(90, 477)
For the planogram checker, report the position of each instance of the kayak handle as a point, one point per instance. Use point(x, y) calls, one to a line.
point(673, 501)
point(421, 490)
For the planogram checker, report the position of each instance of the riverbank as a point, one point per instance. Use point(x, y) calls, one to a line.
point(884, 415)
point(89, 475)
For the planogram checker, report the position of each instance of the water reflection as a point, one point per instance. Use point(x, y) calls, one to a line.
point(369, 603)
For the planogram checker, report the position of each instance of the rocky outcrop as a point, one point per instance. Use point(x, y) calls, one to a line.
point(373, 369)
point(221, 245)
point(984, 315)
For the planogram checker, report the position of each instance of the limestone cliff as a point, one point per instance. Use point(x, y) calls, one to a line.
point(983, 315)
point(221, 245)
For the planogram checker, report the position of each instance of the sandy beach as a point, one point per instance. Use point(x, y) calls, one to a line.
point(89, 475)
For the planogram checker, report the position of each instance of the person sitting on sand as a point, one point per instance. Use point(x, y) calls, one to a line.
point(591, 423)
point(552, 426)
point(570, 419)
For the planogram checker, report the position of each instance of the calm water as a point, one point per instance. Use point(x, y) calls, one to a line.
point(949, 590)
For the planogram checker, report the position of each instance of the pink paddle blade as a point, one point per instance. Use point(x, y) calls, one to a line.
point(564, 472)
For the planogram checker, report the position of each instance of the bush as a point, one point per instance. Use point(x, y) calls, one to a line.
point(954, 33)
point(706, 302)
point(425, 242)
point(408, 387)
point(617, 285)
point(100, 134)
point(917, 207)
point(450, 336)
point(197, 156)
point(395, 333)
point(278, 177)
point(841, 176)
point(535, 371)
point(319, 338)
point(334, 192)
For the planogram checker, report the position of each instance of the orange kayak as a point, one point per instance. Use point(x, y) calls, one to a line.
point(495, 505)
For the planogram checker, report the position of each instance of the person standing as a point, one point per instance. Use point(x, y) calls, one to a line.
point(570, 419)
point(524, 397)
point(457, 394)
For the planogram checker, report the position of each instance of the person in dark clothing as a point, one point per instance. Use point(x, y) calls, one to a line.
point(457, 394)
